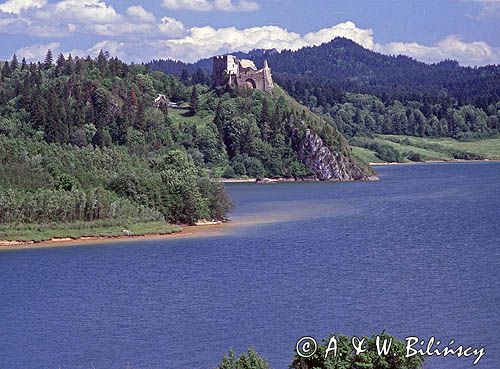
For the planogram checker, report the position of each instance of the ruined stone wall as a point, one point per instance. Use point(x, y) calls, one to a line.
point(228, 71)
point(260, 80)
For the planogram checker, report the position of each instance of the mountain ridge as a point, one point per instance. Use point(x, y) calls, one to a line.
point(344, 64)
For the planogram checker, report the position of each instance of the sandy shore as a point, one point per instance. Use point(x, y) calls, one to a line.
point(186, 232)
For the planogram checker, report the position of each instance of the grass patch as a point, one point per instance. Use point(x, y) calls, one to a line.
point(183, 116)
point(429, 149)
point(489, 148)
point(46, 232)
point(365, 155)
point(425, 153)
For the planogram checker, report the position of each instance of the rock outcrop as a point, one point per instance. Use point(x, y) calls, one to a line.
point(328, 165)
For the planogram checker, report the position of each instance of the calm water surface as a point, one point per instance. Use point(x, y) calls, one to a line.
point(417, 253)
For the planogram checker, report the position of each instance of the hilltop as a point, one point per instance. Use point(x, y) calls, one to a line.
point(352, 68)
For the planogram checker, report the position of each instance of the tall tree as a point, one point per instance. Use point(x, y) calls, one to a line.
point(49, 59)
point(195, 102)
point(14, 63)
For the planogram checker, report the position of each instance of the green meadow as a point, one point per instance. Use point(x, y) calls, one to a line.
point(429, 149)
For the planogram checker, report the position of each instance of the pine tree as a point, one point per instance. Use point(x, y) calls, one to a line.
point(55, 130)
point(14, 63)
point(60, 61)
point(48, 60)
point(264, 121)
point(185, 77)
point(60, 64)
point(69, 66)
point(102, 63)
point(219, 118)
point(195, 103)
point(6, 71)
point(23, 64)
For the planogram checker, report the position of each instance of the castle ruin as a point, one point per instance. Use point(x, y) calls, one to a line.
point(229, 71)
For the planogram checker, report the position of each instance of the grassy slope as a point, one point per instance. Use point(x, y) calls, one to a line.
point(37, 233)
point(489, 148)
point(365, 155)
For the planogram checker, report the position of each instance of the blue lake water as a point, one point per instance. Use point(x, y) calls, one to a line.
point(416, 254)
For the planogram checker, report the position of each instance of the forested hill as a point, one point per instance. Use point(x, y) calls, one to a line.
point(98, 140)
point(353, 68)
point(364, 92)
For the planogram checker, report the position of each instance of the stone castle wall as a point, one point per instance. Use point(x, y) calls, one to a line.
point(228, 71)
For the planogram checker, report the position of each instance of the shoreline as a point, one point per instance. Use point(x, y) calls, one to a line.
point(200, 230)
point(373, 164)
point(383, 164)
point(185, 232)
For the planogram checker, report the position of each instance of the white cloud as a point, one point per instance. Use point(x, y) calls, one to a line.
point(24, 26)
point(201, 42)
point(451, 47)
point(120, 29)
point(18, 6)
point(141, 14)
point(212, 5)
point(206, 41)
point(348, 29)
point(76, 11)
point(115, 48)
point(37, 51)
point(138, 36)
point(489, 8)
point(171, 27)
point(64, 18)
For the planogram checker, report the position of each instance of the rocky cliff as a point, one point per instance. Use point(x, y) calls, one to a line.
point(328, 165)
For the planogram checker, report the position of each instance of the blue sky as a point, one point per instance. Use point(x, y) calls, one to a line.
point(428, 30)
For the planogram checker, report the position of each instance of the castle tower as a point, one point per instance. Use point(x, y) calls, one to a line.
point(225, 70)
point(268, 78)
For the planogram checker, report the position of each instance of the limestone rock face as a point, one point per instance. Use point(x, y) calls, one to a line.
point(328, 165)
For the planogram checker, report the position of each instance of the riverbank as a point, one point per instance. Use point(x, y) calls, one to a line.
point(379, 164)
point(169, 231)
point(279, 180)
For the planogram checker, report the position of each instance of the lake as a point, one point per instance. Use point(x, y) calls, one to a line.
point(415, 254)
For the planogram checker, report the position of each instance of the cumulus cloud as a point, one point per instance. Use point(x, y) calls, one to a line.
point(212, 5)
point(66, 17)
point(18, 6)
point(201, 42)
point(141, 14)
point(87, 11)
point(451, 47)
point(115, 48)
point(137, 35)
point(172, 27)
point(364, 37)
point(37, 51)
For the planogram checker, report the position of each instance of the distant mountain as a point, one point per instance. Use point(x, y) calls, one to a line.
point(343, 64)
point(362, 92)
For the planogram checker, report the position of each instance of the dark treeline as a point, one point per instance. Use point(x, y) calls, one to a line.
point(407, 96)
point(358, 115)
